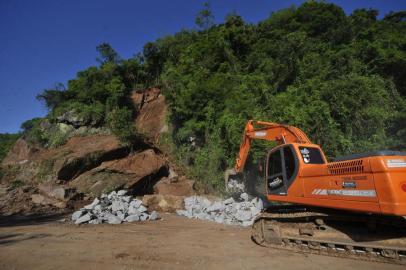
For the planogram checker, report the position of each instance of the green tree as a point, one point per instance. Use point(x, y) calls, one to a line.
point(107, 54)
point(205, 19)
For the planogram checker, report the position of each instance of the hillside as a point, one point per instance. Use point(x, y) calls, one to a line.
point(339, 78)
point(128, 167)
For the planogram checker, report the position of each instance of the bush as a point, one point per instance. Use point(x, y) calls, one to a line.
point(16, 184)
point(6, 142)
point(90, 114)
point(120, 122)
point(32, 131)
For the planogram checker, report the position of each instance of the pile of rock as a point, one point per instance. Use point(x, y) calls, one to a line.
point(113, 208)
point(229, 211)
point(235, 186)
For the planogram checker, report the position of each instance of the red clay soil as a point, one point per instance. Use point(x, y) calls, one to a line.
point(152, 112)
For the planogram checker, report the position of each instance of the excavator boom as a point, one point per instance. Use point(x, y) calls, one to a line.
point(279, 133)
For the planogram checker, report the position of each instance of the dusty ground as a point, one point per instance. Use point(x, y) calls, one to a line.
point(172, 243)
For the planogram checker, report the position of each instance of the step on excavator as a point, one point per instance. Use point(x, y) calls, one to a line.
point(354, 207)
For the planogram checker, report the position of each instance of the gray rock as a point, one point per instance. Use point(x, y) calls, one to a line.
point(243, 215)
point(216, 206)
point(142, 209)
point(190, 201)
point(97, 209)
point(95, 221)
point(229, 201)
point(244, 196)
point(77, 214)
point(132, 218)
point(120, 215)
point(259, 204)
point(119, 206)
point(205, 203)
point(143, 217)
point(112, 219)
point(182, 213)
point(219, 219)
point(121, 192)
point(83, 219)
point(72, 118)
point(133, 211)
point(92, 205)
point(254, 211)
point(136, 203)
point(111, 195)
point(153, 216)
point(226, 212)
point(126, 199)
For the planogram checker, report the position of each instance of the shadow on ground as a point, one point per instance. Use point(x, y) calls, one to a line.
point(12, 238)
point(30, 219)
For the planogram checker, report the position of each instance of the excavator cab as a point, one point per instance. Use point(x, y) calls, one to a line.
point(283, 163)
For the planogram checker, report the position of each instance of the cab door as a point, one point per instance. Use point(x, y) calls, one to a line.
point(282, 167)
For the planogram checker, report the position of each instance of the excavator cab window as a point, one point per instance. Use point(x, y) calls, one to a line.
point(282, 169)
point(290, 163)
point(311, 155)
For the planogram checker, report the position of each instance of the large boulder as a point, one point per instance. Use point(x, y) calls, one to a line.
point(163, 203)
point(181, 187)
point(137, 172)
point(58, 192)
point(43, 200)
point(84, 153)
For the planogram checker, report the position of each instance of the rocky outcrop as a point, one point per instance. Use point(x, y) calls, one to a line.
point(138, 172)
point(151, 119)
point(93, 162)
point(72, 118)
point(20, 153)
point(64, 163)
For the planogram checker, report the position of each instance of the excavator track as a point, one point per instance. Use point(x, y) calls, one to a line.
point(353, 236)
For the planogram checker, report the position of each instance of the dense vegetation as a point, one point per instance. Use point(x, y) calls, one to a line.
point(6, 142)
point(342, 79)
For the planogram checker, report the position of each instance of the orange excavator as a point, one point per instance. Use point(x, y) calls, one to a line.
point(352, 207)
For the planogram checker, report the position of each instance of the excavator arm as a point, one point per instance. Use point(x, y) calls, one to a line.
point(279, 133)
point(258, 130)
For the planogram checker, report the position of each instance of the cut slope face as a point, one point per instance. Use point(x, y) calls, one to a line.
point(152, 112)
point(20, 153)
point(96, 164)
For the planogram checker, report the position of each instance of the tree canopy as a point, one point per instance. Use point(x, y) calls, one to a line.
point(341, 79)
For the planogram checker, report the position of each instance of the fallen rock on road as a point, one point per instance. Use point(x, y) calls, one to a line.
point(114, 208)
point(228, 211)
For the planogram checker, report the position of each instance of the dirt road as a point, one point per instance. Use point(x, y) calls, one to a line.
point(171, 243)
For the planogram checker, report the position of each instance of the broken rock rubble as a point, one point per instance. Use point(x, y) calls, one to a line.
point(114, 208)
point(228, 211)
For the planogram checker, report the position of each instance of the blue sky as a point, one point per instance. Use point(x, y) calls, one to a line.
point(46, 42)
